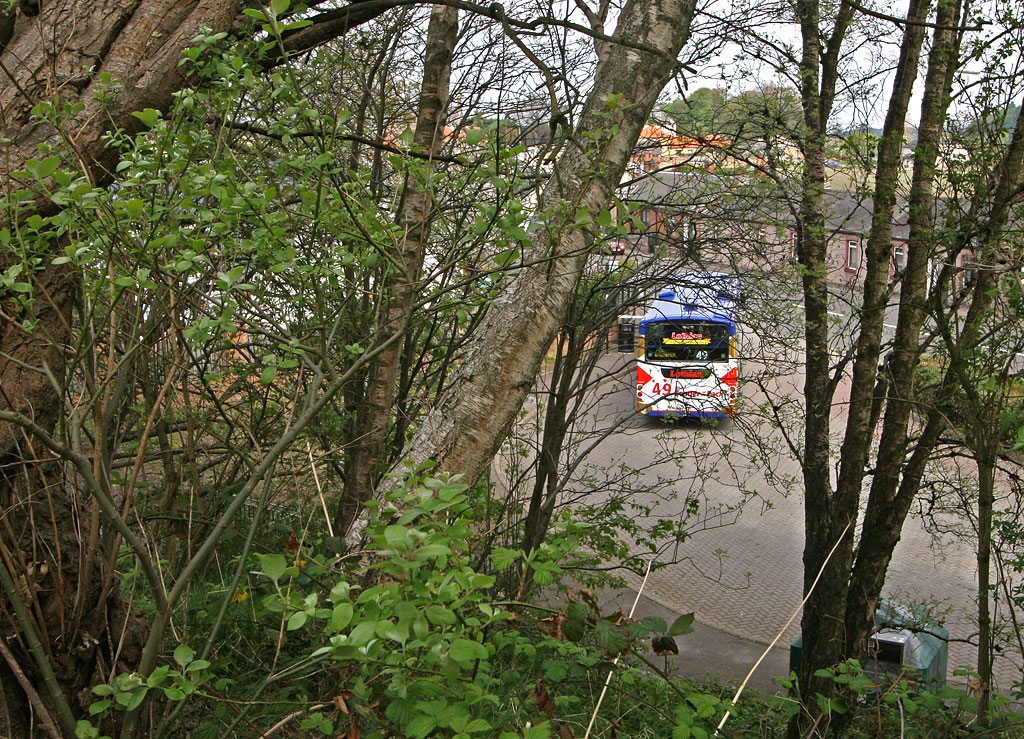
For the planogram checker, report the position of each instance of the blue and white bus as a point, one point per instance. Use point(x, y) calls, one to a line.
point(687, 363)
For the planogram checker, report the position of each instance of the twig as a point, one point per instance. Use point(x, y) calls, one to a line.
point(33, 696)
point(608, 680)
point(289, 717)
point(36, 648)
point(778, 636)
point(320, 491)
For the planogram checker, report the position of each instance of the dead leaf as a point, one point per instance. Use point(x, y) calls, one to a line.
point(552, 626)
point(589, 599)
point(341, 701)
point(353, 731)
point(663, 645)
point(540, 695)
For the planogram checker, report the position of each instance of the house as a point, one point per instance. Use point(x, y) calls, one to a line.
point(713, 218)
point(659, 149)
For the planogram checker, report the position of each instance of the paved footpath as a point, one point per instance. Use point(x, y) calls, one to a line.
point(741, 570)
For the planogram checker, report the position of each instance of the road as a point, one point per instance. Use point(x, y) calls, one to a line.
point(740, 570)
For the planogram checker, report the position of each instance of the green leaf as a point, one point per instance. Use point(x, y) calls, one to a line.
point(47, 167)
point(503, 558)
point(397, 538)
point(574, 629)
point(440, 615)
point(464, 650)
point(297, 620)
point(611, 638)
point(149, 116)
point(136, 699)
point(268, 374)
point(278, 7)
point(540, 731)
point(102, 689)
point(428, 551)
point(159, 675)
point(421, 726)
point(604, 219)
point(341, 616)
point(653, 623)
point(183, 654)
point(85, 730)
point(475, 136)
point(507, 257)
point(99, 707)
point(272, 565)
point(681, 625)
point(362, 633)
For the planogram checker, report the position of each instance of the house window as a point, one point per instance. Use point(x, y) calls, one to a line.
point(970, 274)
point(899, 257)
point(852, 255)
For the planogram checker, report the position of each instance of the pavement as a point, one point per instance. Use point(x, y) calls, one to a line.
point(706, 652)
point(740, 569)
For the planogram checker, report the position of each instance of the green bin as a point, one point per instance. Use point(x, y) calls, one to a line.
point(905, 642)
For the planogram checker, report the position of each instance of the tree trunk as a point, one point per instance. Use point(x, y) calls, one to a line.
point(823, 523)
point(889, 501)
point(896, 479)
point(464, 429)
point(73, 73)
point(362, 469)
point(986, 461)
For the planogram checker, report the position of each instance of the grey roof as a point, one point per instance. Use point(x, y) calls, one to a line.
point(752, 200)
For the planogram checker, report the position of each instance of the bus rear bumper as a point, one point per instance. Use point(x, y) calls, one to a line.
point(723, 413)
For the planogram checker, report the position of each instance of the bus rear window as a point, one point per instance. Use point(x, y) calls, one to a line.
point(687, 341)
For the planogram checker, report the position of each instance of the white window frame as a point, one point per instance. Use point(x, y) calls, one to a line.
point(899, 257)
point(852, 255)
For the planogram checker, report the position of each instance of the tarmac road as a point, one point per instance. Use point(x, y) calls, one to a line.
point(740, 571)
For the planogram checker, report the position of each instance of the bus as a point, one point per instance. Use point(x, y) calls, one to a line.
point(687, 364)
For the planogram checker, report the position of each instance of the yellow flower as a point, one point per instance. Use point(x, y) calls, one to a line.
point(240, 597)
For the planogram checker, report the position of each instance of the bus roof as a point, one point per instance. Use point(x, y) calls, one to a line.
point(696, 296)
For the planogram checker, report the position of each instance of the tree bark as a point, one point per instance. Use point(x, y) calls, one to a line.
point(823, 522)
point(362, 469)
point(890, 496)
point(986, 462)
point(826, 641)
point(90, 63)
point(464, 429)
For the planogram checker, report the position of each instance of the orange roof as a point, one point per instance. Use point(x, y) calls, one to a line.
point(656, 133)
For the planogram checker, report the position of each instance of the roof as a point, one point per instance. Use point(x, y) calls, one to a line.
point(667, 138)
point(696, 296)
point(699, 193)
